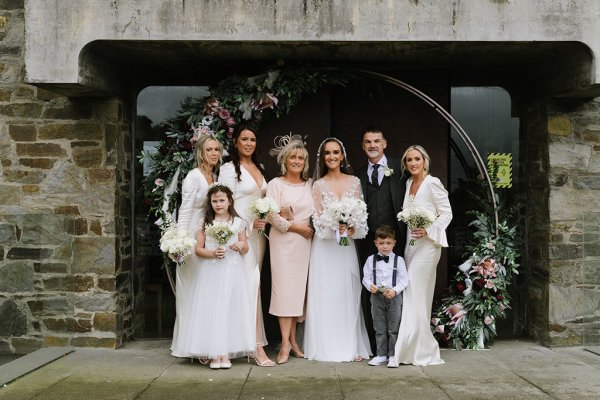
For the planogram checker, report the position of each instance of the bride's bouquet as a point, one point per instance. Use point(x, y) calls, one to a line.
point(416, 217)
point(349, 211)
point(262, 207)
point(176, 243)
point(220, 231)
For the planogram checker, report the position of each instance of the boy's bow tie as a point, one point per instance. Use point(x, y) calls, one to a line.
point(384, 258)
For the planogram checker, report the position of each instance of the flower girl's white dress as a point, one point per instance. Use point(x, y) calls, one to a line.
point(335, 327)
point(224, 320)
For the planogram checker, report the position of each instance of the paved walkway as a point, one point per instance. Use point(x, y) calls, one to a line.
point(144, 370)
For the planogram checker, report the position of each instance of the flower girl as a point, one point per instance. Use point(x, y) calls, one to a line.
point(224, 319)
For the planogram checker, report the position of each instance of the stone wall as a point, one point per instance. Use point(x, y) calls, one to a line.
point(65, 214)
point(574, 201)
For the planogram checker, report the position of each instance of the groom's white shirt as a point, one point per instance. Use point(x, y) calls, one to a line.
point(382, 164)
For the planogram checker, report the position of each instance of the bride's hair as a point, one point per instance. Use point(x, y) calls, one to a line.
point(420, 149)
point(321, 169)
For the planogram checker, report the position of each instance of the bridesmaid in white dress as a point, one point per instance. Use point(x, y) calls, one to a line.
point(190, 217)
point(416, 345)
point(335, 328)
point(245, 176)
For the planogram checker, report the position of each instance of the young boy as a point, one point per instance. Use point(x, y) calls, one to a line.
point(385, 277)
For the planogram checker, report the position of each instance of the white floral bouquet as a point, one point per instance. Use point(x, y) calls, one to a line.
point(416, 217)
point(220, 231)
point(177, 243)
point(349, 211)
point(262, 207)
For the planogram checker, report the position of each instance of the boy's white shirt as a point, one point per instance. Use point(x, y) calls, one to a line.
point(384, 273)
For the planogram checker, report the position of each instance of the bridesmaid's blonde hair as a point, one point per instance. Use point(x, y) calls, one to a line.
point(201, 153)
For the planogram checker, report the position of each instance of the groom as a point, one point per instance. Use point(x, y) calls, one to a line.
point(383, 187)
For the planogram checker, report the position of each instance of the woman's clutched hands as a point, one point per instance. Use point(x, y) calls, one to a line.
point(302, 229)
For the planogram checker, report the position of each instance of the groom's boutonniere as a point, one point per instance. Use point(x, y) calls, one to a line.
point(387, 171)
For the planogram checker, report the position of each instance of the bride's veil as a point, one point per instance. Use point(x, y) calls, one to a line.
point(320, 168)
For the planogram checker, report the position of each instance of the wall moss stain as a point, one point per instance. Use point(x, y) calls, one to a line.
point(559, 125)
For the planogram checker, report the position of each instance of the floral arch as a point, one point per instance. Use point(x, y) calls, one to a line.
point(465, 318)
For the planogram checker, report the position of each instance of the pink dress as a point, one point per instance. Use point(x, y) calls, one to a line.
point(290, 252)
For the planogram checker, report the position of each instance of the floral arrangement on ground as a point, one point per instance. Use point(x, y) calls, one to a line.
point(231, 101)
point(479, 296)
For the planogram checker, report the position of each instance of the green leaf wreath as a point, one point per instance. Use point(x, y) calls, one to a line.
point(479, 290)
point(231, 101)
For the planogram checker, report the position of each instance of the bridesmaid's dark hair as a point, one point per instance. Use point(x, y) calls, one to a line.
point(235, 157)
point(209, 213)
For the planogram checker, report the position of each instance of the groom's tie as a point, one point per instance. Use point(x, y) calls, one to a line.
point(375, 175)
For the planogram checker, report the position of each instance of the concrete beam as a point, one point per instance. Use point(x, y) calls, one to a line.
point(59, 33)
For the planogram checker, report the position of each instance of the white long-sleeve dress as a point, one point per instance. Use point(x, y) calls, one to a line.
point(191, 215)
point(245, 191)
point(416, 344)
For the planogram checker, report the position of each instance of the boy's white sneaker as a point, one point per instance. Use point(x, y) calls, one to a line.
point(378, 360)
point(392, 363)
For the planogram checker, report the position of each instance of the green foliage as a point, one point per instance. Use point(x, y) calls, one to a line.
point(479, 290)
point(233, 100)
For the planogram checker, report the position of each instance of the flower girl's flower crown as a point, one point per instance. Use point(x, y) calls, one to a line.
point(219, 185)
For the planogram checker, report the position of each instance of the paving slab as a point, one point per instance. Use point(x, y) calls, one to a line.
point(144, 370)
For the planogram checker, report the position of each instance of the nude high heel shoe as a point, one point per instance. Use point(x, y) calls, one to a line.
point(265, 363)
point(282, 359)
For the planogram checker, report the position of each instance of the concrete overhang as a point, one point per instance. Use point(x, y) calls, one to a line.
point(101, 48)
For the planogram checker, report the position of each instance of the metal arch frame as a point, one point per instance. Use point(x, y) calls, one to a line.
point(453, 123)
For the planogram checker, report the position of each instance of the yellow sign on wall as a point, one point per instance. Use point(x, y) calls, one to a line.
point(500, 169)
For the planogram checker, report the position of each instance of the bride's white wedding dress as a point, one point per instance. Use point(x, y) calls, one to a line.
point(416, 344)
point(334, 328)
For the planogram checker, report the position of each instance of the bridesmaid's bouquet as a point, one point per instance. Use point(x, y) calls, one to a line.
point(349, 211)
point(220, 231)
point(176, 243)
point(262, 207)
point(416, 217)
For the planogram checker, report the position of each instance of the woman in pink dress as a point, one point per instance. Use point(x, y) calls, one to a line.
point(290, 241)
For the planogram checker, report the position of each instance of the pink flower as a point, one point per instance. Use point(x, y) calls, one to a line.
point(439, 328)
point(490, 245)
point(487, 267)
point(435, 321)
point(456, 312)
point(230, 121)
point(489, 284)
point(224, 114)
point(488, 320)
point(211, 106)
point(159, 182)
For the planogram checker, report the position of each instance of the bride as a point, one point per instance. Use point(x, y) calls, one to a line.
point(334, 327)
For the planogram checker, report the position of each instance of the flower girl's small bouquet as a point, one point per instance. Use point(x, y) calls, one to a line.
point(416, 217)
point(262, 207)
point(220, 231)
point(349, 211)
point(176, 243)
